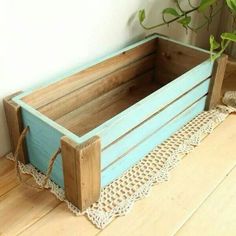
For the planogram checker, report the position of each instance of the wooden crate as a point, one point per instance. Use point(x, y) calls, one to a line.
point(107, 116)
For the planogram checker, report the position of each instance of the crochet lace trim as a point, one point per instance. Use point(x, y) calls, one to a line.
point(118, 198)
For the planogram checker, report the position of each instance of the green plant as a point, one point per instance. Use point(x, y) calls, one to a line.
point(208, 9)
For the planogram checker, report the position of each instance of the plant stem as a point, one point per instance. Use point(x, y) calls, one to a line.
point(217, 55)
point(190, 4)
point(206, 22)
point(170, 21)
point(179, 7)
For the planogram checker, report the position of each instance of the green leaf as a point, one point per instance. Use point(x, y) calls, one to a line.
point(213, 43)
point(204, 4)
point(170, 11)
point(141, 15)
point(232, 5)
point(185, 21)
point(229, 36)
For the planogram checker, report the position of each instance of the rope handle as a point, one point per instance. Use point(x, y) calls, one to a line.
point(17, 163)
point(17, 152)
point(50, 166)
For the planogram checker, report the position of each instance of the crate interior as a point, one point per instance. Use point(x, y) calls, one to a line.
point(92, 96)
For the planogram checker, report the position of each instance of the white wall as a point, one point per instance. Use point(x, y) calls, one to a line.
point(41, 39)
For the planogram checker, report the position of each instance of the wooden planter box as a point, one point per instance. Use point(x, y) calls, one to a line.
point(109, 115)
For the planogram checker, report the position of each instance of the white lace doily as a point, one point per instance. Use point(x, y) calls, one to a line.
point(118, 198)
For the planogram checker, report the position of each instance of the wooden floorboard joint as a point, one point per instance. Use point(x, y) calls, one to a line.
point(207, 197)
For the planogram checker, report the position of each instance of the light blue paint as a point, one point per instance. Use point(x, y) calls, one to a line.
point(48, 121)
point(44, 136)
point(126, 143)
point(134, 115)
point(42, 141)
point(123, 164)
point(190, 78)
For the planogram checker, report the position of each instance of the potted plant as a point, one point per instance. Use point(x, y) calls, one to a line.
point(208, 9)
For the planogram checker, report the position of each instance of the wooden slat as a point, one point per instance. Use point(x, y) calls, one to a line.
point(217, 215)
point(115, 170)
point(91, 115)
point(229, 83)
point(171, 204)
point(130, 118)
point(124, 144)
point(15, 126)
point(174, 59)
point(231, 66)
point(71, 120)
point(91, 91)
point(214, 97)
point(125, 102)
point(68, 148)
point(82, 171)
point(54, 91)
point(42, 141)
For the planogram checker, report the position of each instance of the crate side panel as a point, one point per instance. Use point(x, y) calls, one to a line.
point(119, 167)
point(133, 138)
point(42, 141)
point(90, 73)
point(134, 115)
point(173, 60)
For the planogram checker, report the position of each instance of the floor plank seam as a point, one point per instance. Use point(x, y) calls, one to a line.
point(207, 197)
point(9, 190)
point(29, 226)
point(17, 184)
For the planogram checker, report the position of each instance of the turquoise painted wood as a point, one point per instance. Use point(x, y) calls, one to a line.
point(44, 136)
point(42, 141)
point(126, 143)
point(129, 160)
point(134, 115)
point(48, 121)
point(60, 128)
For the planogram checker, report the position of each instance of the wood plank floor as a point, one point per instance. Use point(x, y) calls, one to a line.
point(199, 199)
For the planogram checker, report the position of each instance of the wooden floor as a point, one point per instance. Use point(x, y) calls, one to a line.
point(199, 199)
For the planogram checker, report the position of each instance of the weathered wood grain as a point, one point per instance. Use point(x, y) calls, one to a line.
point(229, 82)
point(84, 77)
point(82, 171)
point(15, 126)
point(93, 114)
point(173, 60)
point(96, 88)
point(68, 149)
point(71, 120)
point(126, 120)
point(214, 97)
